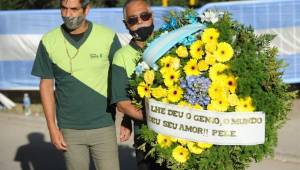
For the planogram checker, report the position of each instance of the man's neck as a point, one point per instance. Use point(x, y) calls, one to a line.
point(141, 44)
point(83, 27)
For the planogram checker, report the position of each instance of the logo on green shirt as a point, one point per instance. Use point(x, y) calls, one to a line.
point(96, 56)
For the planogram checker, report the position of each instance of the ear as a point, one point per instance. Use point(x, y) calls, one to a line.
point(87, 9)
point(125, 24)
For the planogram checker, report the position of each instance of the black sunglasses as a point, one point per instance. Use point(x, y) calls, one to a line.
point(145, 16)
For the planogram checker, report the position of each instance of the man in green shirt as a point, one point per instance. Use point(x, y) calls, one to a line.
point(138, 20)
point(76, 57)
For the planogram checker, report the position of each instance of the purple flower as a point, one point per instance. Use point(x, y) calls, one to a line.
point(196, 89)
point(182, 83)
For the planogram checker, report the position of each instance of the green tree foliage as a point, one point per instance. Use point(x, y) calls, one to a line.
point(46, 4)
point(28, 4)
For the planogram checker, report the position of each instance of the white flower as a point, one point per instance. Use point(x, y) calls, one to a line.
point(164, 33)
point(155, 67)
point(211, 16)
point(141, 67)
point(145, 66)
point(176, 63)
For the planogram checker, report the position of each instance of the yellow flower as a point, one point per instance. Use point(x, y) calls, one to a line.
point(202, 65)
point(183, 142)
point(245, 105)
point(204, 145)
point(194, 148)
point(166, 61)
point(165, 100)
point(210, 47)
point(144, 90)
point(217, 90)
point(169, 62)
point(220, 104)
point(165, 70)
point(224, 52)
point(171, 77)
point(183, 103)
point(166, 64)
point(174, 94)
point(196, 50)
point(210, 35)
point(198, 106)
point(159, 92)
point(231, 83)
point(186, 104)
point(211, 107)
point(163, 141)
point(149, 76)
point(175, 62)
point(210, 59)
point(182, 51)
point(191, 68)
point(233, 99)
point(173, 139)
point(180, 154)
point(215, 70)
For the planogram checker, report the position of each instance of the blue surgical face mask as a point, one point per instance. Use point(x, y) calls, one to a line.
point(73, 23)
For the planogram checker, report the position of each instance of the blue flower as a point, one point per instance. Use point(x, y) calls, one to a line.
point(182, 83)
point(190, 78)
point(185, 42)
point(196, 89)
point(193, 20)
point(165, 27)
point(188, 40)
point(139, 70)
point(173, 22)
point(190, 91)
point(192, 38)
point(205, 101)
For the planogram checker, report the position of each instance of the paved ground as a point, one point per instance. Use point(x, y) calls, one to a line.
point(24, 139)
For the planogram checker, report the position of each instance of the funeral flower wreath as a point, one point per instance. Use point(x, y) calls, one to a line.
point(223, 67)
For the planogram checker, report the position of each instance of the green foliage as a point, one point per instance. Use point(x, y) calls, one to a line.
point(39, 4)
point(46, 4)
point(29, 4)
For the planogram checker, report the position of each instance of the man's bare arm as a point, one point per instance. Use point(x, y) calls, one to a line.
point(128, 108)
point(48, 102)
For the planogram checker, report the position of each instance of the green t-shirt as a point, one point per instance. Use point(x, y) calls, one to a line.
point(123, 67)
point(81, 73)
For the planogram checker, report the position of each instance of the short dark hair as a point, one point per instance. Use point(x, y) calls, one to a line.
point(84, 3)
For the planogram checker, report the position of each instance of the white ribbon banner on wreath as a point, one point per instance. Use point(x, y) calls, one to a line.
point(219, 128)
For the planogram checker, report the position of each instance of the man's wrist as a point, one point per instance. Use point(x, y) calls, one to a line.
point(51, 126)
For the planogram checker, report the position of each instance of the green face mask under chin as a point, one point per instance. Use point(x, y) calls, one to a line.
point(73, 23)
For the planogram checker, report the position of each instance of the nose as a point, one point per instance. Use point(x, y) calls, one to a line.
point(68, 13)
point(140, 20)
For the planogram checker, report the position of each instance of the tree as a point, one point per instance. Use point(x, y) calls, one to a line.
point(46, 4)
point(38, 4)
point(28, 4)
